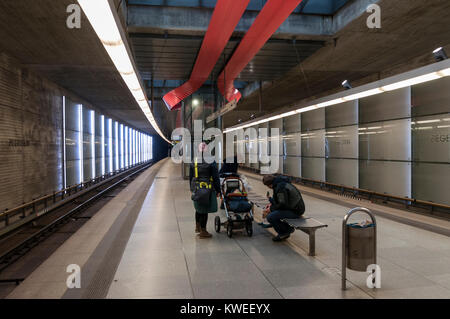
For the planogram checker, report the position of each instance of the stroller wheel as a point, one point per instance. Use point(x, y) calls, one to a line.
point(230, 229)
point(249, 227)
point(217, 224)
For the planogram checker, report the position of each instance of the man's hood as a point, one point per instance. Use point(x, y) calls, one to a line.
point(280, 179)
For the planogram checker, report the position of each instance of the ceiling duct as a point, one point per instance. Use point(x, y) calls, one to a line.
point(224, 20)
point(274, 13)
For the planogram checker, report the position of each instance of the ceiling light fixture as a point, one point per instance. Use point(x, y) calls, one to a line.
point(439, 54)
point(425, 74)
point(105, 25)
point(346, 84)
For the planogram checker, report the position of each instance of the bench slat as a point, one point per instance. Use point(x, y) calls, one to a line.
point(304, 222)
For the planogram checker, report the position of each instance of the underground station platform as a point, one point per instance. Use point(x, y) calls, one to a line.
point(141, 244)
point(219, 158)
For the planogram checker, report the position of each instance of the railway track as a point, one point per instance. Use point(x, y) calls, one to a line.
point(19, 242)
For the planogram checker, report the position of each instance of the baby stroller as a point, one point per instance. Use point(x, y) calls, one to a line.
point(238, 209)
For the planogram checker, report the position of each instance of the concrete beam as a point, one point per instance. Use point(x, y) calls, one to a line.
point(349, 13)
point(195, 21)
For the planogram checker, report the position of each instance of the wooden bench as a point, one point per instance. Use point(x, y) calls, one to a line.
point(309, 226)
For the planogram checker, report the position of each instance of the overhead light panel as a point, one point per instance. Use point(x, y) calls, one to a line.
point(104, 23)
point(412, 81)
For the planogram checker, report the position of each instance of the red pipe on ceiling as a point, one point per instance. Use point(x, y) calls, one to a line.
point(224, 20)
point(274, 13)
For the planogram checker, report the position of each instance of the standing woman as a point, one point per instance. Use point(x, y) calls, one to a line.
point(205, 186)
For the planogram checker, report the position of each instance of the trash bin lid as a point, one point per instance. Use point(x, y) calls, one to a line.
point(357, 225)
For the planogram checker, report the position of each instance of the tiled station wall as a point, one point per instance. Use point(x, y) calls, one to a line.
point(397, 143)
point(32, 134)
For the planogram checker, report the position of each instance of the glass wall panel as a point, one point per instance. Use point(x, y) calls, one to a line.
point(115, 146)
point(292, 166)
point(293, 144)
point(342, 142)
point(313, 143)
point(138, 146)
point(73, 142)
point(313, 168)
point(131, 147)
point(431, 97)
point(431, 182)
point(313, 120)
point(342, 114)
point(276, 124)
point(134, 147)
point(263, 142)
point(390, 105)
point(121, 146)
point(108, 146)
point(292, 124)
point(99, 144)
point(253, 149)
point(392, 178)
point(144, 147)
point(390, 140)
point(150, 148)
point(125, 146)
point(431, 138)
point(88, 144)
point(342, 171)
point(275, 166)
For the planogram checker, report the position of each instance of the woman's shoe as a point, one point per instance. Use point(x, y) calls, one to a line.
point(204, 233)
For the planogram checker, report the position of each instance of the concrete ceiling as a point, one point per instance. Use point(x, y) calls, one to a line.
point(165, 39)
point(35, 33)
point(410, 31)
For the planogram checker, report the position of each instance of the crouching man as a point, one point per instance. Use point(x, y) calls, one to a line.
point(286, 203)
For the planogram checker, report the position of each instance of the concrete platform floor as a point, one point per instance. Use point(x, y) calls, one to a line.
point(157, 255)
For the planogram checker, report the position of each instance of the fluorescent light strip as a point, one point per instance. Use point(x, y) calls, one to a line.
point(103, 22)
point(355, 96)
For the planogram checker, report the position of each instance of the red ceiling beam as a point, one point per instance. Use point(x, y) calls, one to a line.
point(224, 20)
point(274, 13)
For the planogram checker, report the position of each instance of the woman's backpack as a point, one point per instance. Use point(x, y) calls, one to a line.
point(201, 188)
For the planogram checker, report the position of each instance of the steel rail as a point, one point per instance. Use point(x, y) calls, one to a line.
point(19, 250)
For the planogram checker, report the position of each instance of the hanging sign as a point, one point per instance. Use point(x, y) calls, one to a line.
point(225, 109)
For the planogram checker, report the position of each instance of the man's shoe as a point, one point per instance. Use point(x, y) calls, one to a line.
point(280, 237)
point(204, 233)
point(198, 229)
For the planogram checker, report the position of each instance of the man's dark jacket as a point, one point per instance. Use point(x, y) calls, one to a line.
point(286, 196)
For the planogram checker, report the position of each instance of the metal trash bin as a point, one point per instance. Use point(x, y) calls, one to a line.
point(359, 244)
